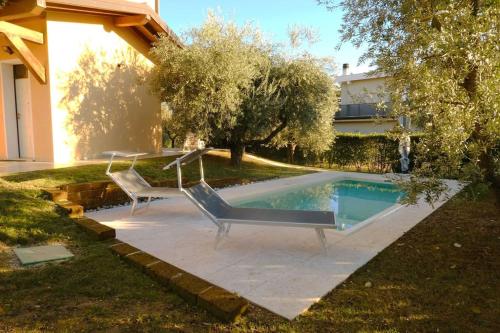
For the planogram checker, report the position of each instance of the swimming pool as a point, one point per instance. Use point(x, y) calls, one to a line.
point(353, 201)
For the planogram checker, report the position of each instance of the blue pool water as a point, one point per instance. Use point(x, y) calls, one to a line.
point(353, 201)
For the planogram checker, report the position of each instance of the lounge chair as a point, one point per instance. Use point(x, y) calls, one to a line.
point(223, 215)
point(133, 184)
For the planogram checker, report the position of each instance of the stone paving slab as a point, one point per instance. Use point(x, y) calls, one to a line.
point(40, 254)
point(280, 269)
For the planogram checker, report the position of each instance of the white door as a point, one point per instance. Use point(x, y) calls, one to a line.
point(9, 111)
point(23, 112)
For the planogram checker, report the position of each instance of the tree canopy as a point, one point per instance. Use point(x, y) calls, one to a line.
point(234, 89)
point(443, 58)
point(311, 96)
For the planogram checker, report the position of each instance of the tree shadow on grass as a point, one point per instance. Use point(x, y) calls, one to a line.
point(26, 219)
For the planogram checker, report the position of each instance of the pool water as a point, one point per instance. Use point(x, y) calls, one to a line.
point(353, 201)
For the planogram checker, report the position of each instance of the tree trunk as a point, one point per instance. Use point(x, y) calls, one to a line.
point(291, 152)
point(172, 140)
point(237, 151)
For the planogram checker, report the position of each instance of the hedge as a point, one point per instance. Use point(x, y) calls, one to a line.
point(370, 152)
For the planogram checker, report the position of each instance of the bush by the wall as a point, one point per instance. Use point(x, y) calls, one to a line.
point(369, 152)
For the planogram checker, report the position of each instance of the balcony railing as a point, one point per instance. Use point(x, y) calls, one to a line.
point(361, 111)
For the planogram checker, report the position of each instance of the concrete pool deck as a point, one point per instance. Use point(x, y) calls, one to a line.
point(280, 269)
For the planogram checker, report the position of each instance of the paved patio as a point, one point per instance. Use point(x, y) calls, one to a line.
point(280, 269)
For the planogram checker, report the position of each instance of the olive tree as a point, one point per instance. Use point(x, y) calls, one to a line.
point(311, 93)
point(443, 58)
point(234, 89)
point(172, 129)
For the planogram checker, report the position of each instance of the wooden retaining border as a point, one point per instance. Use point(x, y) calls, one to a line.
point(221, 303)
point(104, 193)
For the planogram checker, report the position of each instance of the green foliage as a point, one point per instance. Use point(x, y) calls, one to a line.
point(205, 82)
point(376, 152)
point(173, 131)
point(236, 90)
point(443, 58)
point(362, 152)
point(311, 95)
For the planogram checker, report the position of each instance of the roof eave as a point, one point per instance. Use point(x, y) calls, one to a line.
point(150, 30)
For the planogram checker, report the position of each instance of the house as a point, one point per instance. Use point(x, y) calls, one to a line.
point(72, 78)
point(364, 103)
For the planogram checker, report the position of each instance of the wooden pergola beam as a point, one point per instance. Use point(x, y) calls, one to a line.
point(24, 33)
point(148, 34)
point(132, 20)
point(16, 35)
point(18, 9)
point(27, 57)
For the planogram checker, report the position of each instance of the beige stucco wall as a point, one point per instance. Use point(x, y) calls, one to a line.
point(41, 115)
point(363, 91)
point(100, 100)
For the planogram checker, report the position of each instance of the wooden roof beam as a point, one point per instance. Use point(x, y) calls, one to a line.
point(148, 34)
point(18, 9)
point(132, 20)
point(27, 57)
point(24, 33)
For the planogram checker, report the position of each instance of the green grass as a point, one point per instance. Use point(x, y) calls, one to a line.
point(93, 291)
point(216, 166)
point(421, 283)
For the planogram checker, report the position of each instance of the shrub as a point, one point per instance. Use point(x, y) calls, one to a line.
point(370, 152)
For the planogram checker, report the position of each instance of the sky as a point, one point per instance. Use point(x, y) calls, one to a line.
point(273, 18)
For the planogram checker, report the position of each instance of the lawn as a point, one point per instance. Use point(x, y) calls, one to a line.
point(442, 275)
point(216, 166)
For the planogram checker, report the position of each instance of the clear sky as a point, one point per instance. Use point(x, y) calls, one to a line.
point(273, 17)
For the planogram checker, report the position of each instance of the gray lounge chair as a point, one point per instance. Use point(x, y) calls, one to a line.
point(223, 215)
point(133, 184)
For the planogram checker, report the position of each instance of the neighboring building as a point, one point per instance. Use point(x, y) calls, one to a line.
point(72, 78)
point(360, 98)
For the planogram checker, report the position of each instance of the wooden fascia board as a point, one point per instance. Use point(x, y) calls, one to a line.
point(18, 9)
point(161, 27)
point(104, 6)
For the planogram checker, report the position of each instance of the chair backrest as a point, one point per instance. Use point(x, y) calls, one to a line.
point(209, 199)
point(129, 180)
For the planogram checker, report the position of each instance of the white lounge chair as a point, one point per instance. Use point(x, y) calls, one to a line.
point(133, 184)
point(223, 215)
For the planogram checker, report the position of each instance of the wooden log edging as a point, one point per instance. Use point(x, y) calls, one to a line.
point(221, 303)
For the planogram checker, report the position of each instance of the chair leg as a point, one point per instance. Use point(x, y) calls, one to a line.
point(322, 239)
point(149, 201)
point(134, 205)
point(220, 235)
point(227, 228)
